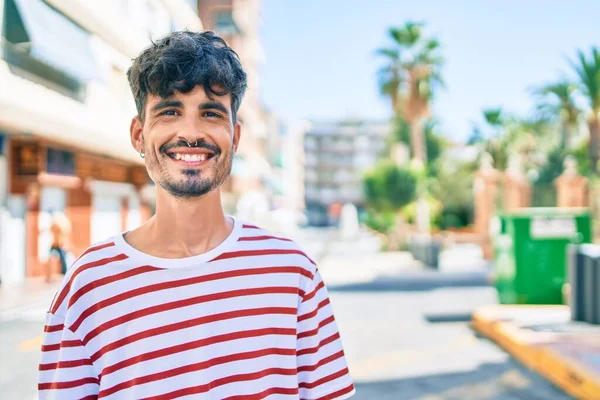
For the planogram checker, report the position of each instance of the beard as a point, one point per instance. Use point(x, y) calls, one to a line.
point(194, 182)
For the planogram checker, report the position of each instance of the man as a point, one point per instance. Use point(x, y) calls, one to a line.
point(193, 303)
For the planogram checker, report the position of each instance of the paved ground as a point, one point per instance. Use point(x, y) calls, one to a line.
point(401, 344)
point(417, 345)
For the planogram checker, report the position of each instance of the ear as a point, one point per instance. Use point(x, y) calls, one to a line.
point(237, 132)
point(136, 133)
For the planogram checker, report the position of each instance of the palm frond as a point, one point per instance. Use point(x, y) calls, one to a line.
point(588, 72)
point(392, 54)
point(493, 116)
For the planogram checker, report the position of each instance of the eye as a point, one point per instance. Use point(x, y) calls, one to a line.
point(211, 114)
point(169, 113)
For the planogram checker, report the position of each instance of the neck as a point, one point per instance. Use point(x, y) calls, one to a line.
point(187, 227)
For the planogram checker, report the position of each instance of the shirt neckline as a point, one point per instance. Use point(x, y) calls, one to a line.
point(160, 262)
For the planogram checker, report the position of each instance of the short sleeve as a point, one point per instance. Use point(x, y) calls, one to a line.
point(66, 371)
point(322, 369)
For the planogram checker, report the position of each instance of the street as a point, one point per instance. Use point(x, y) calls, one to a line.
point(400, 344)
point(403, 346)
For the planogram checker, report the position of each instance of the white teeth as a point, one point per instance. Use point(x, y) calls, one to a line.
point(191, 157)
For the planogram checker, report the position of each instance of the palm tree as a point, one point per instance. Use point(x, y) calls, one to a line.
point(558, 100)
point(410, 77)
point(390, 77)
point(588, 72)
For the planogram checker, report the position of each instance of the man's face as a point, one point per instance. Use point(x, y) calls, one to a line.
point(189, 141)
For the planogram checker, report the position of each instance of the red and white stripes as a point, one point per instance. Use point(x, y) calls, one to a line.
point(251, 319)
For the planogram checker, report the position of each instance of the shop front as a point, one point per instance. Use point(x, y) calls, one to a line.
point(100, 196)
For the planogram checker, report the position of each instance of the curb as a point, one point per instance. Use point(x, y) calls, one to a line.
point(535, 349)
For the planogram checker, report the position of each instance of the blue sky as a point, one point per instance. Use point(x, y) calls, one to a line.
point(320, 62)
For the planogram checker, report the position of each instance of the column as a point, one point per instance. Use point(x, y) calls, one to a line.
point(33, 267)
point(485, 193)
point(517, 189)
point(571, 188)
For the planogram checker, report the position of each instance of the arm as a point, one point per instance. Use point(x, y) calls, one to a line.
point(65, 371)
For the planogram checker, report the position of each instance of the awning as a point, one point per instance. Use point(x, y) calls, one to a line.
point(57, 41)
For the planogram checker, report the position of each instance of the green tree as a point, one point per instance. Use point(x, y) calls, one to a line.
point(495, 144)
point(582, 156)
point(388, 187)
point(434, 142)
point(454, 188)
point(588, 73)
point(556, 101)
point(410, 77)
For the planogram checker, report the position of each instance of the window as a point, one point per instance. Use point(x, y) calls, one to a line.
point(60, 162)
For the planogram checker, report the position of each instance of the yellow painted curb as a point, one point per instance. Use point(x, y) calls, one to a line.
point(569, 375)
point(528, 347)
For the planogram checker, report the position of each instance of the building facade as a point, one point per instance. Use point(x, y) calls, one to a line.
point(65, 110)
point(336, 156)
point(238, 22)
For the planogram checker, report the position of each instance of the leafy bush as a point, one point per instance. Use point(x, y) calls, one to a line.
point(388, 187)
point(381, 222)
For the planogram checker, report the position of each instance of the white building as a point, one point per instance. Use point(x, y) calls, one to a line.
point(336, 156)
point(238, 22)
point(65, 110)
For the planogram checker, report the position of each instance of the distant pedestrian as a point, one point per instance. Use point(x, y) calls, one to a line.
point(60, 231)
point(194, 303)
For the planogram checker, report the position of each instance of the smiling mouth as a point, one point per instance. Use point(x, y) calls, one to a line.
point(194, 157)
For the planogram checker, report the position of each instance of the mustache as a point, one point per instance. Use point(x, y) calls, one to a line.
point(200, 143)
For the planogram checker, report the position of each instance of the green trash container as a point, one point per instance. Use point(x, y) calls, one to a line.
point(530, 258)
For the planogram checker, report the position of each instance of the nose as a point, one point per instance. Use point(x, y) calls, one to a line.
point(190, 130)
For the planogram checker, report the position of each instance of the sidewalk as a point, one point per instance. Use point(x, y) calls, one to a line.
point(34, 291)
point(358, 264)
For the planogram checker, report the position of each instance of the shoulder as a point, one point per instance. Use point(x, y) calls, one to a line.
point(101, 252)
point(84, 270)
point(260, 241)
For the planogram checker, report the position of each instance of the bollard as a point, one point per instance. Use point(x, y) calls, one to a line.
point(588, 271)
point(426, 250)
point(594, 293)
point(584, 276)
point(576, 260)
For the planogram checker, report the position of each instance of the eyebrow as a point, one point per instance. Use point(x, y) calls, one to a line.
point(214, 105)
point(166, 104)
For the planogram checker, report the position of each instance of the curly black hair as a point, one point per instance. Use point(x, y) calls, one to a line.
point(183, 60)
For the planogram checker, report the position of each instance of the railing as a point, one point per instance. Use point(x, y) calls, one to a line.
point(584, 280)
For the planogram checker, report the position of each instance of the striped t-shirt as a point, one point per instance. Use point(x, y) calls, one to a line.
point(249, 319)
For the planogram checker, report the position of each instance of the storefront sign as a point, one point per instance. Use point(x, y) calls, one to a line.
point(26, 158)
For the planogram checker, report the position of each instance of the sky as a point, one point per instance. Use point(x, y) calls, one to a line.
point(320, 63)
